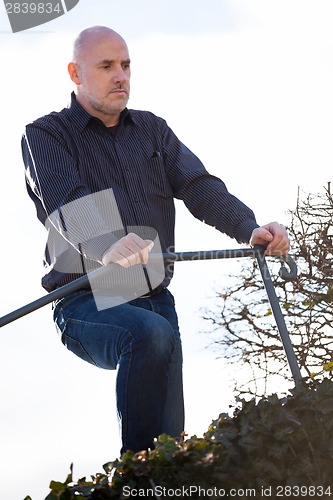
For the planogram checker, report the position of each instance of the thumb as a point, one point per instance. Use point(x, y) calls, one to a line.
point(268, 236)
point(150, 245)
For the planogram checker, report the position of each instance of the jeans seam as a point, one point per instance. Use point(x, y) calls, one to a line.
point(124, 416)
point(65, 335)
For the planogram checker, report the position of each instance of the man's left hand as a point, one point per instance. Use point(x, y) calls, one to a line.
point(274, 236)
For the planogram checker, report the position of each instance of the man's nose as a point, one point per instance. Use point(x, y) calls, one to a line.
point(120, 76)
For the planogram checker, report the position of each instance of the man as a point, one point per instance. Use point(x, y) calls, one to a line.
point(99, 146)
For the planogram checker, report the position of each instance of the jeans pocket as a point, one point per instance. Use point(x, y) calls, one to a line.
point(76, 348)
point(64, 327)
point(65, 302)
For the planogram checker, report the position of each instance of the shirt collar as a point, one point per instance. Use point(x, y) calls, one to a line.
point(81, 118)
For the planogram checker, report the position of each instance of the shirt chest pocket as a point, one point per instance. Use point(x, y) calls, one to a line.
point(156, 182)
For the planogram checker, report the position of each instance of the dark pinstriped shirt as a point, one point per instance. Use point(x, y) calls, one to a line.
point(70, 154)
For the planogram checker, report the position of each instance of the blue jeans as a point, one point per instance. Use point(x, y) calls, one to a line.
point(141, 339)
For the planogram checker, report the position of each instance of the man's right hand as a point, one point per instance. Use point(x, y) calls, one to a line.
point(128, 251)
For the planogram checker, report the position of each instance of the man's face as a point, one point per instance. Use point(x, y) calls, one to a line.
point(104, 78)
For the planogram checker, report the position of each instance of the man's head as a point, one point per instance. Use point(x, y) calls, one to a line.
point(101, 71)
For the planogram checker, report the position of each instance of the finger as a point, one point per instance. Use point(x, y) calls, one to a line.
point(139, 248)
point(122, 257)
point(118, 254)
point(274, 234)
point(128, 251)
point(134, 241)
point(265, 235)
point(144, 252)
point(260, 236)
point(134, 251)
point(279, 245)
point(130, 247)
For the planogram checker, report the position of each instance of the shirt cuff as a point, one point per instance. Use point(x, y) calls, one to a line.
point(244, 231)
point(95, 248)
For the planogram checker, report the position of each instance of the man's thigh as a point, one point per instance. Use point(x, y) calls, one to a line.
point(100, 337)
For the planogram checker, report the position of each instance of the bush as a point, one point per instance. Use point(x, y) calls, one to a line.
point(274, 447)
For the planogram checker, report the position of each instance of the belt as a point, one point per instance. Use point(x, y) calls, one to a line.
point(152, 293)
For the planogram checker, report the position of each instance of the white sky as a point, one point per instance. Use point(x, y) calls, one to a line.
point(247, 85)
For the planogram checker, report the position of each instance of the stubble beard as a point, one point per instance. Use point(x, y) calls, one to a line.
point(108, 108)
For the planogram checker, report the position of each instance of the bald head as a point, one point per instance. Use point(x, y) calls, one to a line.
point(101, 72)
point(92, 36)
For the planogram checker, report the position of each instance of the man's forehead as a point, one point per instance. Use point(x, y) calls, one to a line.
point(109, 48)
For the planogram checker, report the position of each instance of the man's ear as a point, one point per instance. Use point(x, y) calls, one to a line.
point(73, 70)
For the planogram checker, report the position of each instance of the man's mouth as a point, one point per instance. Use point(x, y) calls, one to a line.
point(118, 91)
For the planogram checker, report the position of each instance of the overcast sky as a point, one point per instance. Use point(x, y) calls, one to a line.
point(247, 85)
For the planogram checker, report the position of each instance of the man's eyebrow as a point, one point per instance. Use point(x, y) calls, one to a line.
point(110, 61)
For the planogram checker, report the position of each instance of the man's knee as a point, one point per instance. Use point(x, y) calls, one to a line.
point(156, 334)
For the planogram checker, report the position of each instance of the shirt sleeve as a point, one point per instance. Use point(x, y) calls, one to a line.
point(62, 200)
point(205, 195)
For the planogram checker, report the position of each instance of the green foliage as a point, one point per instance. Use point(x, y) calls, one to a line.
point(280, 441)
point(274, 442)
